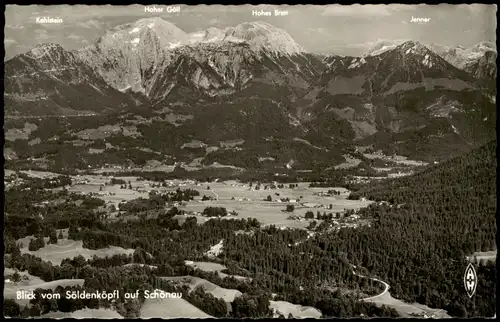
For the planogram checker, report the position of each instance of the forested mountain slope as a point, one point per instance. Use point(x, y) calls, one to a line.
point(436, 218)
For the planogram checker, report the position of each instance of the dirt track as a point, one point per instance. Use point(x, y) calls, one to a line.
point(406, 310)
point(386, 287)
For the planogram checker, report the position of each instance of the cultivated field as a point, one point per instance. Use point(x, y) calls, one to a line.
point(350, 162)
point(228, 295)
point(111, 194)
point(27, 278)
point(164, 168)
point(406, 310)
point(486, 256)
point(32, 283)
point(396, 158)
point(20, 134)
point(66, 248)
point(206, 266)
point(232, 195)
point(297, 311)
point(86, 313)
point(39, 174)
point(169, 308)
point(250, 203)
point(215, 267)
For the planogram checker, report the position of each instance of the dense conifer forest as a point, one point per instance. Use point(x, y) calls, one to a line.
point(417, 242)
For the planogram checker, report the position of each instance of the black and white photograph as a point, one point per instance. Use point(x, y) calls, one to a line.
point(250, 161)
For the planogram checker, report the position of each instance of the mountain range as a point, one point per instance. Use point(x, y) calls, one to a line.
point(479, 60)
point(253, 81)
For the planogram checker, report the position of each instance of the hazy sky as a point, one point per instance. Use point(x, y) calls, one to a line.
point(345, 30)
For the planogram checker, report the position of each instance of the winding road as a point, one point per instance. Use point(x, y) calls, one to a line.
point(386, 286)
point(403, 308)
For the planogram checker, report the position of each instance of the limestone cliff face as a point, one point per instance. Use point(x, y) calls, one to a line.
point(153, 56)
point(51, 80)
point(484, 67)
point(479, 60)
point(127, 55)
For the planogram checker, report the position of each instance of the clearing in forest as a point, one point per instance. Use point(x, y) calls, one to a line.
point(168, 308)
point(228, 295)
point(32, 283)
point(86, 313)
point(67, 248)
point(297, 311)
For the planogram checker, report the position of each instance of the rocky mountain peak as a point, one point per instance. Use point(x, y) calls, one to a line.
point(166, 33)
point(45, 50)
point(45, 56)
point(484, 46)
point(413, 47)
point(264, 36)
point(381, 46)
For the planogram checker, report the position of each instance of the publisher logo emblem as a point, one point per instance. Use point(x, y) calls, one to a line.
point(470, 280)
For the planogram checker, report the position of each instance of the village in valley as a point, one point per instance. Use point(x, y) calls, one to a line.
point(293, 205)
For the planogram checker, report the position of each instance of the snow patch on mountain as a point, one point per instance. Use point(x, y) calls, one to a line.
point(259, 35)
point(209, 35)
point(383, 45)
point(357, 62)
point(426, 61)
point(126, 54)
point(174, 45)
point(413, 47)
point(460, 56)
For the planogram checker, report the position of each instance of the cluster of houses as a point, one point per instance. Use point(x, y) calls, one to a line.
point(114, 166)
point(14, 181)
point(424, 315)
point(330, 193)
point(361, 179)
point(197, 213)
point(240, 199)
point(399, 174)
point(100, 193)
point(337, 225)
point(78, 179)
point(272, 186)
point(286, 200)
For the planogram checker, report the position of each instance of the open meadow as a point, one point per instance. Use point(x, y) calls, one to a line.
point(170, 308)
point(485, 256)
point(407, 310)
point(297, 311)
point(67, 248)
point(228, 295)
point(111, 194)
point(395, 158)
point(250, 203)
point(86, 313)
point(29, 282)
point(232, 195)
